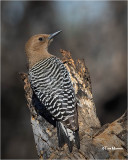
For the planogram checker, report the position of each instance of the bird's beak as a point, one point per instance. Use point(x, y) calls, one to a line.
point(54, 34)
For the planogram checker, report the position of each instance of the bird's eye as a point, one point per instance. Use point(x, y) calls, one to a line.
point(40, 39)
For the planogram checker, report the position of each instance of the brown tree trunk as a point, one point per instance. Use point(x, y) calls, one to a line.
point(106, 142)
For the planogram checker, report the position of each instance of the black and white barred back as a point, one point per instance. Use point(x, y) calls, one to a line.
point(52, 85)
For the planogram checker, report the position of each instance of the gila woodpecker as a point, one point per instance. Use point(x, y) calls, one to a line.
point(51, 84)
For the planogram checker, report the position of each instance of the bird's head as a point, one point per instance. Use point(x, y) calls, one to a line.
point(39, 42)
point(37, 46)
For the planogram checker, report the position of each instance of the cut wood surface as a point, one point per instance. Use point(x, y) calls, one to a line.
point(96, 141)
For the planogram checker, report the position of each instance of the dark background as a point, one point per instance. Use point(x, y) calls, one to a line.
point(95, 31)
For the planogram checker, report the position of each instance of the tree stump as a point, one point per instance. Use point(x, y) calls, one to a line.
point(96, 142)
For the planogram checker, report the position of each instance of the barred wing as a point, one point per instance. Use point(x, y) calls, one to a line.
point(51, 83)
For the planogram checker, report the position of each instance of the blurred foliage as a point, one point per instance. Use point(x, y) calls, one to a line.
point(95, 31)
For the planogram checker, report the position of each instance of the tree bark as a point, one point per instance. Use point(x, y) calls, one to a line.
point(96, 142)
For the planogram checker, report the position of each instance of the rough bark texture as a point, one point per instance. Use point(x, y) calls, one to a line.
point(96, 142)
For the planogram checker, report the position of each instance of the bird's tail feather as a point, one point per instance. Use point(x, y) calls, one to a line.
point(67, 136)
point(61, 135)
point(77, 139)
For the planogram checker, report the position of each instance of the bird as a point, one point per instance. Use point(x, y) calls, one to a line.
point(51, 85)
